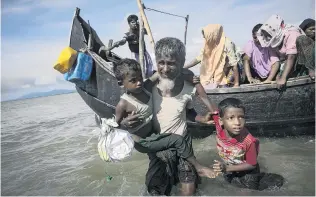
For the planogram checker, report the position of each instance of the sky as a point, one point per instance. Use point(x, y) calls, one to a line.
point(33, 32)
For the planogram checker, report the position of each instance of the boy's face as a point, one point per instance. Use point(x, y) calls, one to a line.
point(133, 24)
point(133, 82)
point(233, 120)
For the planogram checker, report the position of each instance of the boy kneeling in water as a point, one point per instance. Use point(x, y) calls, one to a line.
point(138, 100)
point(239, 149)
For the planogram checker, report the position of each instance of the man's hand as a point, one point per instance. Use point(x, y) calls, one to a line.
point(207, 119)
point(280, 82)
point(219, 167)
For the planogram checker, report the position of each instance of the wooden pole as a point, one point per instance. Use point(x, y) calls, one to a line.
point(141, 48)
point(146, 24)
point(186, 28)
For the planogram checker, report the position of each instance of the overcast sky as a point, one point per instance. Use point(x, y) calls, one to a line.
point(35, 31)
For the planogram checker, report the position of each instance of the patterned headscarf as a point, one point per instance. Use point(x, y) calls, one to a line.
point(276, 28)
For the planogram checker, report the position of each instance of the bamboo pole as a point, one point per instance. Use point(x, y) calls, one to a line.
point(186, 28)
point(146, 24)
point(141, 48)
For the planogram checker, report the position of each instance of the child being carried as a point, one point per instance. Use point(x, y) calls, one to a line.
point(137, 101)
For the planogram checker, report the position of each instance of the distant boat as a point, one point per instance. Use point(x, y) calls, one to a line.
point(292, 110)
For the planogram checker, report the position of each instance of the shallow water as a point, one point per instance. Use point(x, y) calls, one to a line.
point(47, 150)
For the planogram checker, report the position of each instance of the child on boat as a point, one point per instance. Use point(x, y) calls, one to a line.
point(137, 101)
point(238, 149)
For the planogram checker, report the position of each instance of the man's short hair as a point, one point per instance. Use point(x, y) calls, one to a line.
point(228, 103)
point(170, 47)
point(132, 17)
point(124, 67)
point(256, 28)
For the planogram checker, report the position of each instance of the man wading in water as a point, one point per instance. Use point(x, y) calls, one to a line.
point(172, 100)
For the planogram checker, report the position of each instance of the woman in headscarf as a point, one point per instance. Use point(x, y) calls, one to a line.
point(218, 59)
point(261, 63)
point(306, 49)
point(276, 34)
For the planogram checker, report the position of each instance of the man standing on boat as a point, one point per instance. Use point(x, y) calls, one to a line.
point(132, 37)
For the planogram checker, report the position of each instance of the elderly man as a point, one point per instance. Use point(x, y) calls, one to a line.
point(172, 98)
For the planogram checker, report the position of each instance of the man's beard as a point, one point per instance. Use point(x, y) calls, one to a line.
point(165, 84)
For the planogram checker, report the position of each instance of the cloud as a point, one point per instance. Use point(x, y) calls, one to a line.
point(26, 6)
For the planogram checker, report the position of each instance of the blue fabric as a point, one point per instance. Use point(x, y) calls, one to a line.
point(81, 71)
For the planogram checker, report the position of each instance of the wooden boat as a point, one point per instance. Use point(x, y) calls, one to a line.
point(290, 111)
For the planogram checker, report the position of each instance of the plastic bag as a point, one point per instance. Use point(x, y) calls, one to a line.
point(82, 70)
point(114, 144)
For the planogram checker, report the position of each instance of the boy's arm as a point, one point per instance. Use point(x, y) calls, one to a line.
point(239, 167)
point(120, 111)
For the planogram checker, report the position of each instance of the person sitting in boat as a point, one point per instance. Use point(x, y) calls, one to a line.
point(138, 99)
point(306, 49)
point(132, 37)
point(282, 37)
point(261, 64)
point(172, 100)
point(239, 150)
point(218, 59)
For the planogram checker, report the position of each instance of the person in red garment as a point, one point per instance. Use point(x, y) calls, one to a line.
point(239, 150)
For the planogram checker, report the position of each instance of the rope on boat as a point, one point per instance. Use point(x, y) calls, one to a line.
point(149, 9)
point(186, 18)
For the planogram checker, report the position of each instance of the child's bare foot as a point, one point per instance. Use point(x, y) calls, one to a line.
point(206, 172)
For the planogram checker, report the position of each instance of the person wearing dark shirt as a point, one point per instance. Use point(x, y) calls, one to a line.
point(132, 38)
